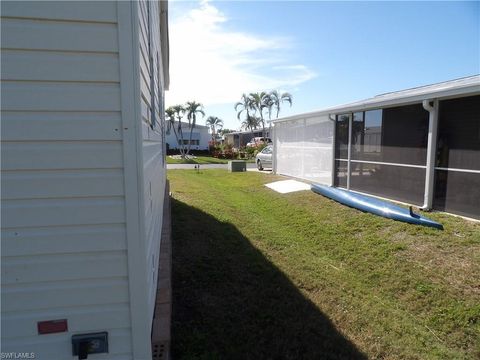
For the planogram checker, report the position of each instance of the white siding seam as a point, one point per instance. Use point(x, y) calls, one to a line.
point(103, 112)
point(67, 21)
point(60, 169)
point(26, 227)
point(93, 253)
point(44, 283)
point(6, 80)
point(78, 310)
point(62, 51)
point(86, 141)
point(86, 170)
point(66, 284)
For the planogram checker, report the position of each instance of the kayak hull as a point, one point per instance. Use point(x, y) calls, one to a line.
point(374, 206)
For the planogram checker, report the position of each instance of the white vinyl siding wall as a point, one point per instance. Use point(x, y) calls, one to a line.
point(154, 170)
point(64, 235)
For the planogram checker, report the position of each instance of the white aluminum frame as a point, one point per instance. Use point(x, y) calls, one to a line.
point(458, 170)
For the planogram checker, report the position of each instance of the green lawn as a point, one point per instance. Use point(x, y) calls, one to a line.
point(260, 275)
point(197, 160)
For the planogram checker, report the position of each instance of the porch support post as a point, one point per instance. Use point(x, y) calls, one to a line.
point(431, 152)
point(334, 134)
point(349, 169)
point(273, 133)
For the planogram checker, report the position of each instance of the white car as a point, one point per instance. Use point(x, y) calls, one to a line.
point(264, 158)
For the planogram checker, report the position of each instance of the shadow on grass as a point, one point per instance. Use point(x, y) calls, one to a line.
point(230, 302)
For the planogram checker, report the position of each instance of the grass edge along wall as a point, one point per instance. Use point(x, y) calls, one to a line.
point(420, 146)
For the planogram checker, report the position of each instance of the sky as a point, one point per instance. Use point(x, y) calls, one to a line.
point(323, 53)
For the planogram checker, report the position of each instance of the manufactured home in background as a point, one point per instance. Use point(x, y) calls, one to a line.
point(239, 139)
point(200, 137)
point(419, 146)
point(83, 176)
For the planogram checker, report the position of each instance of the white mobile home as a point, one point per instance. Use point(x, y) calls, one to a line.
point(200, 137)
point(420, 146)
point(83, 176)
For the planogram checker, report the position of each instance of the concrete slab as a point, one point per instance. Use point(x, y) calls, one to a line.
point(288, 186)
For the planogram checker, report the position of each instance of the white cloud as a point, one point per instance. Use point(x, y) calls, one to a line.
point(213, 65)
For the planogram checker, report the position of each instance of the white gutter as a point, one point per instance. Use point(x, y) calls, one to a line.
point(164, 43)
point(431, 151)
point(383, 101)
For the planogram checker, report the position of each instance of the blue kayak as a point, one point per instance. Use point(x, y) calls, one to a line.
point(374, 205)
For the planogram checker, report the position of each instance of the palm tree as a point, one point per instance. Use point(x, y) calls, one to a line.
point(259, 101)
point(276, 99)
point(192, 108)
point(245, 105)
point(269, 104)
point(170, 120)
point(250, 123)
point(179, 111)
point(214, 123)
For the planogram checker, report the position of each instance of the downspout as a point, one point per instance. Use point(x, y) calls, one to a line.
point(431, 151)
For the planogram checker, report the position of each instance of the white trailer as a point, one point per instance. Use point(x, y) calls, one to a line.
point(83, 175)
point(200, 137)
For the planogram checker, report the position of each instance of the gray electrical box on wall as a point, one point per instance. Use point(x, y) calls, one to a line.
point(84, 344)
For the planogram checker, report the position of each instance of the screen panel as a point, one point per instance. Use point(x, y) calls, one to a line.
point(367, 135)
point(458, 143)
point(401, 183)
point(341, 169)
point(394, 135)
point(304, 148)
point(341, 136)
point(289, 147)
point(457, 192)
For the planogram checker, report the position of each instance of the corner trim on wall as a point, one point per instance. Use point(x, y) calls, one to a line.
point(133, 177)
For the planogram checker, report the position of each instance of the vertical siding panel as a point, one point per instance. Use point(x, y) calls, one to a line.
point(153, 145)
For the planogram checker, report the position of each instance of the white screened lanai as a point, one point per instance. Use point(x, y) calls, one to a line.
point(304, 148)
point(419, 146)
